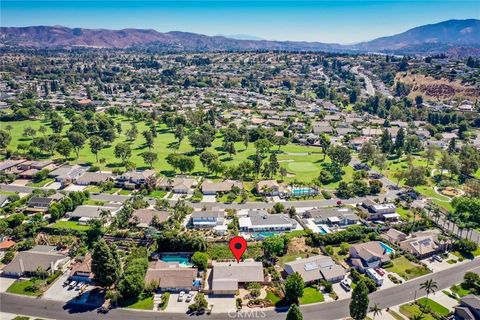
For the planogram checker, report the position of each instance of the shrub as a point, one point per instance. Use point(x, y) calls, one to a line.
point(326, 194)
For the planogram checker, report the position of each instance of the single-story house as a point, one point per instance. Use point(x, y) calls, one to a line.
point(332, 216)
point(394, 236)
point(95, 178)
point(259, 220)
point(134, 179)
point(368, 255)
point(88, 212)
point(41, 204)
point(227, 277)
point(211, 188)
point(179, 185)
point(270, 188)
point(67, 174)
point(468, 308)
point(27, 262)
point(6, 244)
point(142, 218)
point(170, 276)
point(316, 268)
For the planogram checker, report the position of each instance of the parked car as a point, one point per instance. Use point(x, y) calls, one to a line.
point(72, 285)
point(181, 295)
point(375, 175)
point(66, 283)
point(79, 285)
point(380, 271)
point(345, 285)
point(361, 166)
point(437, 258)
point(189, 297)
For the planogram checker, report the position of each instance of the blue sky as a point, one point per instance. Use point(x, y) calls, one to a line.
point(341, 21)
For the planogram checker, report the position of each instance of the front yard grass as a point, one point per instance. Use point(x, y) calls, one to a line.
point(141, 302)
point(434, 306)
point(124, 192)
point(21, 287)
point(410, 310)
point(157, 194)
point(311, 295)
point(406, 269)
point(459, 291)
point(41, 183)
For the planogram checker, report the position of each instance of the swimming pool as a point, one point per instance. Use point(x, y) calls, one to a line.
point(296, 192)
point(388, 250)
point(184, 261)
point(263, 235)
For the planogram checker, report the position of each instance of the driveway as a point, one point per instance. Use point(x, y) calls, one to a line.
point(222, 304)
point(59, 293)
point(436, 266)
point(5, 283)
point(209, 198)
point(176, 306)
point(74, 187)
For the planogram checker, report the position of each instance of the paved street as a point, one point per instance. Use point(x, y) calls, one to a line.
point(328, 311)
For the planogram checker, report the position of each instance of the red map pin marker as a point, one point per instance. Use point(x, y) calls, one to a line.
point(238, 245)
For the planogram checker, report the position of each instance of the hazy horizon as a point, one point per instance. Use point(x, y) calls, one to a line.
point(345, 22)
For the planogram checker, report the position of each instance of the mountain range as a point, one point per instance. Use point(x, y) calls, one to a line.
point(452, 36)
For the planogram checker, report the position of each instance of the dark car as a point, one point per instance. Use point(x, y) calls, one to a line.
point(361, 166)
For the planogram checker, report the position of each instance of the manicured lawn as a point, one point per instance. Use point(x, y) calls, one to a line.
point(289, 258)
point(69, 225)
point(143, 303)
point(406, 269)
point(311, 295)
point(20, 286)
point(434, 306)
point(301, 166)
point(157, 194)
point(410, 310)
point(272, 297)
point(459, 290)
point(92, 202)
point(124, 192)
point(41, 183)
point(404, 213)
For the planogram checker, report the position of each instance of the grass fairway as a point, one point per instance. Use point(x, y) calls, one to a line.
point(301, 166)
point(311, 295)
point(406, 269)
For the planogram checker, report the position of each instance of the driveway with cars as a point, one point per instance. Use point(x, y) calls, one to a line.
point(58, 292)
point(176, 306)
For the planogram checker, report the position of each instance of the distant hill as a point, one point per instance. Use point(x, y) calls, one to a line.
point(240, 36)
point(452, 36)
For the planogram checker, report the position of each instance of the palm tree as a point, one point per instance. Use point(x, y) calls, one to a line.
point(418, 317)
point(105, 215)
point(376, 310)
point(429, 286)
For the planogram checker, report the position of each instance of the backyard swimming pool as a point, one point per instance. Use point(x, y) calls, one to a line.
point(183, 261)
point(263, 235)
point(297, 192)
point(388, 250)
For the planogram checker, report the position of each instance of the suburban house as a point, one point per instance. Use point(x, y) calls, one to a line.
point(88, 212)
point(207, 218)
point(170, 276)
point(380, 211)
point(27, 262)
point(142, 218)
point(468, 308)
point(259, 220)
point(332, 216)
point(316, 268)
point(134, 179)
point(421, 247)
point(81, 271)
point(6, 244)
point(3, 200)
point(212, 188)
point(227, 277)
point(41, 204)
point(394, 236)
point(368, 255)
point(179, 185)
point(270, 188)
point(93, 178)
point(67, 174)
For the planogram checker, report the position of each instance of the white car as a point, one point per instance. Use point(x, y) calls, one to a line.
point(181, 295)
point(72, 284)
point(189, 297)
point(345, 285)
point(79, 286)
point(437, 258)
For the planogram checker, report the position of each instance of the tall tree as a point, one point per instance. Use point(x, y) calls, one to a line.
point(106, 266)
point(77, 139)
point(149, 158)
point(376, 310)
point(64, 147)
point(123, 151)
point(96, 144)
point(294, 286)
point(429, 286)
point(359, 302)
